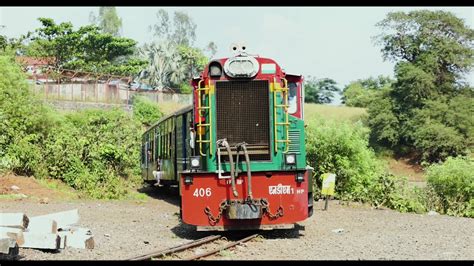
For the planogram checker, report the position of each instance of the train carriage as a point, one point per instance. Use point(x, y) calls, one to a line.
point(238, 152)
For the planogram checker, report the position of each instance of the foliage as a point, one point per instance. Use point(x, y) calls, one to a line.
point(211, 48)
point(342, 148)
point(146, 111)
point(185, 88)
point(85, 49)
point(108, 20)
point(319, 90)
point(193, 59)
point(423, 109)
point(361, 93)
point(3, 42)
point(165, 68)
point(453, 185)
point(24, 121)
point(95, 151)
point(339, 113)
point(171, 65)
point(181, 32)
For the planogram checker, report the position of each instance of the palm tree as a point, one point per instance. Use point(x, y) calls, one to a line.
point(165, 68)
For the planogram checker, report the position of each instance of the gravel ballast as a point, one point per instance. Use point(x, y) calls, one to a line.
point(125, 229)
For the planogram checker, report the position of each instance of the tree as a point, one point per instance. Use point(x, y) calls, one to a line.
point(85, 49)
point(432, 51)
point(360, 93)
point(182, 31)
point(107, 20)
point(320, 90)
point(3, 42)
point(211, 48)
point(165, 68)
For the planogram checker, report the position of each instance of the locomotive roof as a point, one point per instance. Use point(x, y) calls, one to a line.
point(178, 112)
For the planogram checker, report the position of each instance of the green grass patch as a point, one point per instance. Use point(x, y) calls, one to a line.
point(11, 196)
point(331, 112)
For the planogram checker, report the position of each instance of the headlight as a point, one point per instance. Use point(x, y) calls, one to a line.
point(188, 180)
point(195, 162)
point(215, 69)
point(299, 177)
point(290, 159)
point(241, 66)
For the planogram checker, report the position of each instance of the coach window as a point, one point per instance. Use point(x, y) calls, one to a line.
point(292, 97)
point(143, 154)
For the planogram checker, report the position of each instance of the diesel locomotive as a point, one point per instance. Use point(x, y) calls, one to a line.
point(237, 153)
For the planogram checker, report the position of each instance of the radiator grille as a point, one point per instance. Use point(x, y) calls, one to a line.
point(242, 114)
point(294, 136)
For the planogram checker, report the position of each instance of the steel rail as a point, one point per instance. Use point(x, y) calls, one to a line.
point(177, 248)
point(222, 248)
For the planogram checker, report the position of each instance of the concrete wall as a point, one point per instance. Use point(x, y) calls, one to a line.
point(103, 93)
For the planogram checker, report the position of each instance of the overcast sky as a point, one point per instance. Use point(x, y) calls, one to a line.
point(333, 42)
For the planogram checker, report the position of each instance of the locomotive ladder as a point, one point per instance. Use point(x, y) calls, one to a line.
point(284, 106)
point(204, 127)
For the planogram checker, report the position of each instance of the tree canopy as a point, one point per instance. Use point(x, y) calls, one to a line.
point(432, 50)
point(360, 93)
point(85, 49)
point(320, 90)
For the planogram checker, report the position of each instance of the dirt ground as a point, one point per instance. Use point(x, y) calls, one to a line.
point(125, 229)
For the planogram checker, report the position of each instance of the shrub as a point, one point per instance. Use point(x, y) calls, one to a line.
point(452, 183)
point(342, 148)
point(145, 110)
point(95, 151)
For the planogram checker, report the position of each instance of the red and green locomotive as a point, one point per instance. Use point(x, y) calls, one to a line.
point(238, 152)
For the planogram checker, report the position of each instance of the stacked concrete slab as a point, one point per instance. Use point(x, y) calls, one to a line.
point(51, 231)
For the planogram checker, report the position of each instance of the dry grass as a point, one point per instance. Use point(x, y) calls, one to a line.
point(169, 107)
point(340, 113)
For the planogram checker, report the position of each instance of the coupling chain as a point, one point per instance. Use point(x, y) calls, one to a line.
point(266, 210)
point(214, 220)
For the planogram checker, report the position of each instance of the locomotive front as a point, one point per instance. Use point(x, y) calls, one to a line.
point(249, 166)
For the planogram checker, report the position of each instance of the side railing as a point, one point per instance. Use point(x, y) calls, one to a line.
point(283, 93)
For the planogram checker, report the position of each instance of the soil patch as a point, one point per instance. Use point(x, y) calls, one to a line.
point(19, 187)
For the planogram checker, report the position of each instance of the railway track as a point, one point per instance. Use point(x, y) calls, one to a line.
point(215, 240)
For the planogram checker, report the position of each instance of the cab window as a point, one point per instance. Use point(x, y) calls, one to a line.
point(292, 97)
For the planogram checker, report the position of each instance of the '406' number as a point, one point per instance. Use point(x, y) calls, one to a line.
point(201, 192)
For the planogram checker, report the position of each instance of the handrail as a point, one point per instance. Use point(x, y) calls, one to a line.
point(201, 125)
point(286, 123)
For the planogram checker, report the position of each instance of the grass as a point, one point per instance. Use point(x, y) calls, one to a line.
point(169, 107)
point(59, 186)
point(339, 113)
point(11, 196)
point(137, 196)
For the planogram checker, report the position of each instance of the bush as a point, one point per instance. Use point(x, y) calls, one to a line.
point(453, 185)
point(342, 148)
point(24, 120)
point(95, 151)
point(145, 110)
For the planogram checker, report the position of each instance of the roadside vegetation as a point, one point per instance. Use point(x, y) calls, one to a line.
point(425, 112)
point(95, 151)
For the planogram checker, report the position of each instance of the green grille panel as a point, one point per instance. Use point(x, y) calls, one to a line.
point(294, 141)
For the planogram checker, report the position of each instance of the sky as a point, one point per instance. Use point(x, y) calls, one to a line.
point(324, 42)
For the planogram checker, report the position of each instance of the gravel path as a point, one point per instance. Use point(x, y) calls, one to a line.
point(124, 229)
